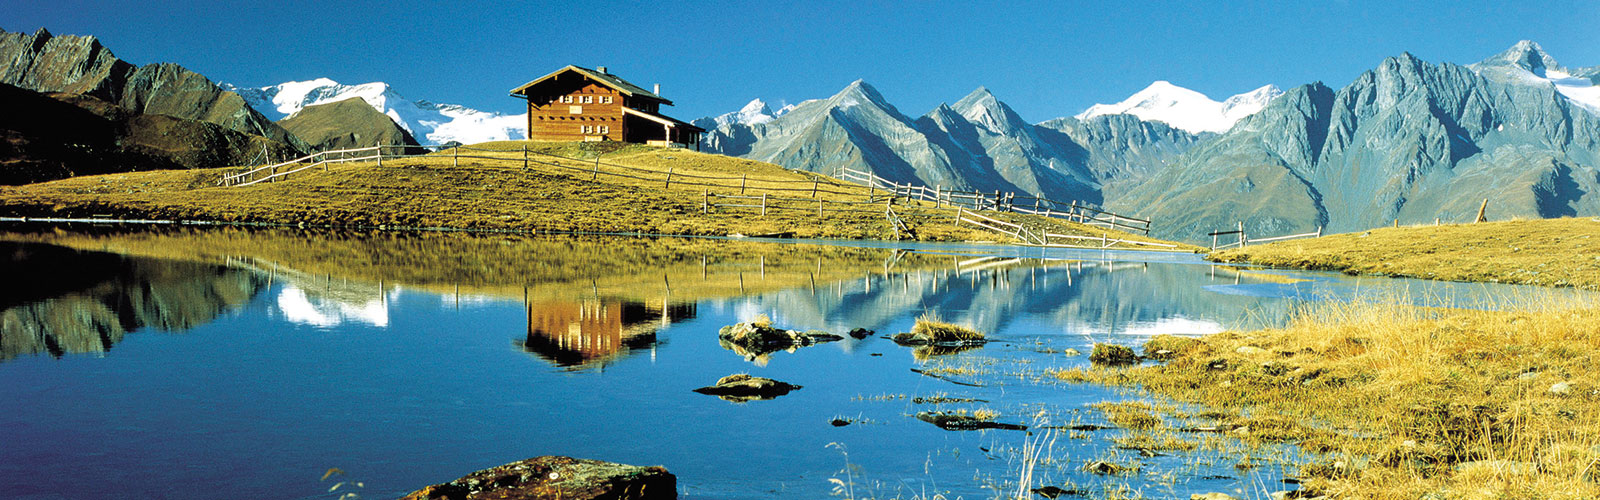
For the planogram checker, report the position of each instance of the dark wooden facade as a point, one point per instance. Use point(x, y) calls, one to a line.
point(581, 104)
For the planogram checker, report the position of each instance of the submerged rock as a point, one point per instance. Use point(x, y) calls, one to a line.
point(1055, 491)
point(742, 387)
point(860, 333)
point(1113, 355)
point(566, 478)
point(951, 422)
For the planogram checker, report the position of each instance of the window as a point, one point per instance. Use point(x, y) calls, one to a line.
point(588, 129)
point(605, 129)
point(588, 99)
point(605, 99)
point(576, 110)
point(566, 99)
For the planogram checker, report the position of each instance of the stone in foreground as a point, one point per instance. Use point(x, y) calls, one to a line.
point(551, 477)
point(741, 387)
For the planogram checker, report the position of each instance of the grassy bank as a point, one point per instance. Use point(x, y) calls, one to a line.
point(557, 195)
point(1404, 402)
point(1549, 252)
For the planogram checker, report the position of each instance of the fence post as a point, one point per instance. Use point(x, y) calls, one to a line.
point(1213, 240)
point(669, 179)
point(524, 156)
point(380, 155)
point(763, 204)
point(455, 156)
point(1319, 229)
point(742, 178)
point(596, 175)
point(1241, 234)
point(819, 207)
point(813, 187)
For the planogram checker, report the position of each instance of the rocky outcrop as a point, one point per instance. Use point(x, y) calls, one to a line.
point(755, 339)
point(742, 387)
point(53, 136)
point(350, 123)
point(552, 477)
point(1112, 355)
point(72, 64)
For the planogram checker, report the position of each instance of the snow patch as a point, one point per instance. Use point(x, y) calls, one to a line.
point(1186, 109)
point(429, 122)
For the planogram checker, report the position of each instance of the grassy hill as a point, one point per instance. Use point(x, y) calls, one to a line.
point(1549, 252)
point(558, 190)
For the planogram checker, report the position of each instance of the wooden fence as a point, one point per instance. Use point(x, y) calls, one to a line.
point(1244, 239)
point(1000, 202)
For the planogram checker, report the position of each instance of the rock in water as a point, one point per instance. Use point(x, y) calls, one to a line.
point(566, 478)
point(741, 387)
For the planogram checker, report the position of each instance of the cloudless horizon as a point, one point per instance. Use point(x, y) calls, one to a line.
point(1045, 59)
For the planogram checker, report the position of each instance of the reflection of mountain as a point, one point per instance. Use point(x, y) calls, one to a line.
point(576, 333)
point(59, 300)
point(311, 308)
point(1079, 297)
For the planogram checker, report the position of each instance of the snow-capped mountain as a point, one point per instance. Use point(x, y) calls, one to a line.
point(754, 112)
point(429, 122)
point(1526, 63)
point(1186, 109)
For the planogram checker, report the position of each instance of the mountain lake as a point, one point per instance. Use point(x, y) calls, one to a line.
point(183, 362)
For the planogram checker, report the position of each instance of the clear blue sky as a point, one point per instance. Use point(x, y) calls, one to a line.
point(1047, 59)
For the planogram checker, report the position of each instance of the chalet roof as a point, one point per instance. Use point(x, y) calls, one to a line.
point(662, 119)
point(607, 79)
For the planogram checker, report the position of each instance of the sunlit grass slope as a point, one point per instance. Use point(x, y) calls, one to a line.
point(1550, 252)
point(558, 195)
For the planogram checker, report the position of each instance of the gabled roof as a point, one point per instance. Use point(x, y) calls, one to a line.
point(662, 119)
point(606, 79)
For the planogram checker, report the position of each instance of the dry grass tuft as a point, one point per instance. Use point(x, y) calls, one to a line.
point(932, 329)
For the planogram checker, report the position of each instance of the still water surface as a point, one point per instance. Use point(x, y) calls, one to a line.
point(243, 364)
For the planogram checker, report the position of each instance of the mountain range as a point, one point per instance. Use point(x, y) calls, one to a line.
point(1408, 141)
point(429, 122)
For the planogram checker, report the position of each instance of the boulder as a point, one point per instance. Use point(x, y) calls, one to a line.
point(758, 338)
point(742, 387)
point(566, 478)
point(860, 333)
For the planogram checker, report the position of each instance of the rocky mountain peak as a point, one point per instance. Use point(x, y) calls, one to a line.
point(1527, 55)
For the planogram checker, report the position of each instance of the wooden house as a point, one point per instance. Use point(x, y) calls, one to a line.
point(581, 104)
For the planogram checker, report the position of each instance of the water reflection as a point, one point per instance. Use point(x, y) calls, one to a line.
point(586, 332)
point(60, 301)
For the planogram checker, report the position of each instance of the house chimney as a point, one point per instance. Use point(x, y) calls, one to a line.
point(602, 70)
point(658, 89)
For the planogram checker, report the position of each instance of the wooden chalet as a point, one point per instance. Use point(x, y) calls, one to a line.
point(581, 104)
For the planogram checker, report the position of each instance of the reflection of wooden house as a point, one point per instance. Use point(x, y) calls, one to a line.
point(578, 333)
point(581, 104)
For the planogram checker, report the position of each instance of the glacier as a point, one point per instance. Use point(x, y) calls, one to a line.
point(1186, 109)
point(429, 122)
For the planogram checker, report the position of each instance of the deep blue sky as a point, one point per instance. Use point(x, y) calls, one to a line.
point(1046, 59)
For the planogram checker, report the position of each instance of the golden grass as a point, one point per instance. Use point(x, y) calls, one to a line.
point(441, 191)
point(1407, 402)
point(932, 329)
point(1550, 252)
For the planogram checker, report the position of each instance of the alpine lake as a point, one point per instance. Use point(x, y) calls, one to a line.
point(186, 362)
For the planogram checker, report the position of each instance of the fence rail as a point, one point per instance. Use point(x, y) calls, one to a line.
point(804, 194)
point(1243, 239)
point(999, 201)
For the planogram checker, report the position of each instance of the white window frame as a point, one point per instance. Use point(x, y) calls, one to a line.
point(605, 99)
point(588, 99)
point(605, 129)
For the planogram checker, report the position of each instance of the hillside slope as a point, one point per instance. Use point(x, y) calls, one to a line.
point(482, 190)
